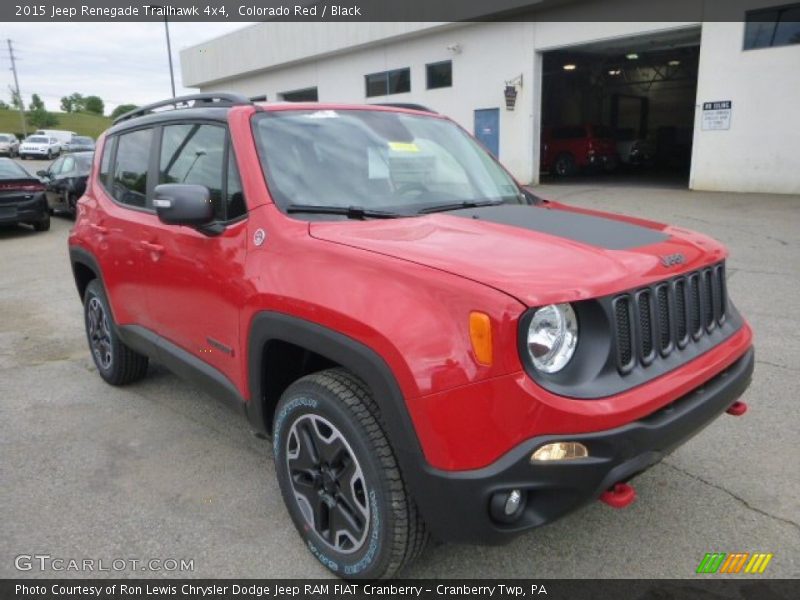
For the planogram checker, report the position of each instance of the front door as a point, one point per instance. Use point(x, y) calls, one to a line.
point(195, 279)
point(487, 129)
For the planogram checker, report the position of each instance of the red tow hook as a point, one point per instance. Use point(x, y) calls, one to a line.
point(619, 495)
point(737, 409)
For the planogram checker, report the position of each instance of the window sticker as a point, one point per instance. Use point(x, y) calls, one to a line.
point(323, 114)
point(403, 147)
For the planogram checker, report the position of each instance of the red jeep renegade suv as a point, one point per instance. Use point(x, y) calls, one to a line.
point(432, 349)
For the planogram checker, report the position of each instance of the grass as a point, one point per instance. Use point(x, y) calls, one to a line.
point(80, 123)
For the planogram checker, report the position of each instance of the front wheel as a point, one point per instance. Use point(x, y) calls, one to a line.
point(340, 480)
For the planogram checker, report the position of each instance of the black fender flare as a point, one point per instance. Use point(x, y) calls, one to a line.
point(78, 255)
point(361, 360)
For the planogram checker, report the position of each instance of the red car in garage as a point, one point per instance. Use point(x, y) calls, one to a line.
point(571, 148)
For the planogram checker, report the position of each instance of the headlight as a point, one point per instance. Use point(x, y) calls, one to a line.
point(552, 337)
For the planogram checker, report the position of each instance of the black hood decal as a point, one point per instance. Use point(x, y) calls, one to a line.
point(586, 229)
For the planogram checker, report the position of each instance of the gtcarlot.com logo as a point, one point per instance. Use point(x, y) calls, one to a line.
point(736, 562)
point(46, 562)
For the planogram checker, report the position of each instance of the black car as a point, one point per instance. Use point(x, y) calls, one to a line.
point(66, 180)
point(79, 143)
point(22, 197)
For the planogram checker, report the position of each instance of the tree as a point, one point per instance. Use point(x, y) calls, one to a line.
point(94, 104)
point(122, 109)
point(66, 104)
point(77, 102)
point(36, 103)
point(3, 105)
point(16, 102)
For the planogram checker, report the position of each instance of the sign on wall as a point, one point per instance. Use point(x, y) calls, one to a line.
point(717, 115)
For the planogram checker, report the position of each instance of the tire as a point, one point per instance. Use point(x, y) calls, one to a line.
point(116, 363)
point(44, 224)
point(326, 428)
point(565, 165)
point(72, 204)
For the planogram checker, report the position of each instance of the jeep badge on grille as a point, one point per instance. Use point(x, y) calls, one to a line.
point(670, 260)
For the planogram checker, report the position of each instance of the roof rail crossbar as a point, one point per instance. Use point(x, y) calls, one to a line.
point(191, 101)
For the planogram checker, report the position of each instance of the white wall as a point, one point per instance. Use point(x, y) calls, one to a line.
point(490, 54)
point(761, 150)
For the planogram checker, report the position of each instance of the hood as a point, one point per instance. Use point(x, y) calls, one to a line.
point(537, 254)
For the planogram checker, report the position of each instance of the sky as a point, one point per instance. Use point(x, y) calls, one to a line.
point(123, 63)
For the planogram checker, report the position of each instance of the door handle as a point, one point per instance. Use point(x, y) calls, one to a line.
point(156, 248)
point(98, 228)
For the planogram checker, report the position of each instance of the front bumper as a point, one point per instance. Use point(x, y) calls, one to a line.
point(456, 503)
point(29, 211)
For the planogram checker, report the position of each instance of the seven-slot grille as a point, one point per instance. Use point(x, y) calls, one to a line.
point(654, 321)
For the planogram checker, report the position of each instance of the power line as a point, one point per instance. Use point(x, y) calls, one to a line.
point(16, 87)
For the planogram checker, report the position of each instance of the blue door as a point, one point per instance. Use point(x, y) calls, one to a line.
point(487, 129)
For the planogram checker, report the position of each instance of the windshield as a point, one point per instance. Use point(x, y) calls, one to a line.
point(84, 141)
point(5, 138)
point(375, 160)
point(37, 140)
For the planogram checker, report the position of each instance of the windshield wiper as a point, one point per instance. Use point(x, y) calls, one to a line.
point(458, 206)
point(351, 212)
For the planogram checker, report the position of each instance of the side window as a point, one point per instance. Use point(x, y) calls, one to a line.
point(194, 153)
point(55, 168)
point(105, 160)
point(129, 181)
point(68, 166)
point(234, 194)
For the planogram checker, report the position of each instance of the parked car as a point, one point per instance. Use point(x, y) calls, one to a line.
point(65, 181)
point(63, 136)
point(9, 144)
point(79, 143)
point(431, 349)
point(632, 150)
point(39, 146)
point(22, 198)
point(566, 150)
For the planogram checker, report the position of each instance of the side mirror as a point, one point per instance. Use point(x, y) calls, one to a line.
point(530, 197)
point(43, 173)
point(183, 204)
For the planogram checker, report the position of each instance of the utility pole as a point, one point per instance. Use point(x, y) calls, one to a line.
point(169, 54)
point(16, 88)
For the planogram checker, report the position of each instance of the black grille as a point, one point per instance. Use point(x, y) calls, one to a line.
point(681, 331)
point(622, 312)
point(668, 315)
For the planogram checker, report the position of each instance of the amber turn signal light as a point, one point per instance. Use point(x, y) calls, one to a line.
point(480, 333)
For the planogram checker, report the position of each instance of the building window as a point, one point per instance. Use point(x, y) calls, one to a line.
point(772, 27)
point(304, 95)
point(439, 74)
point(397, 81)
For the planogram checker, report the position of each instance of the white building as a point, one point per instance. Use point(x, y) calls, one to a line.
point(652, 80)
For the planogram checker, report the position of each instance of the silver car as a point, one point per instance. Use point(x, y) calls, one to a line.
point(9, 144)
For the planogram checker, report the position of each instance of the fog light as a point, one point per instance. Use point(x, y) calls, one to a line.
point(560, 451)
point(512, 502)
point(507, 506)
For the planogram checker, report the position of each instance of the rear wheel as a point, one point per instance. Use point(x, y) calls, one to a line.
point(115, 362)
point(72, 204)
point(340, 480)
point(44, 223)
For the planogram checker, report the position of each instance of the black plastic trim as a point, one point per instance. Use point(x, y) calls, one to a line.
point(460, 500)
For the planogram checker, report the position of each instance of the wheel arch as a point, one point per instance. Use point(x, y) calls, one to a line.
point(336, 349)
point(84, 269)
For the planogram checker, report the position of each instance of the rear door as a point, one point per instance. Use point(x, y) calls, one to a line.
point(125, 219)
point(487, 129)
point(196, 281)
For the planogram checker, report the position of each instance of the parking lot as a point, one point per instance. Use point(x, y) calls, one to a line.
point(160, 470)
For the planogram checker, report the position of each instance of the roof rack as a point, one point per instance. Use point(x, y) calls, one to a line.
point(219, 99)
point(408, 105)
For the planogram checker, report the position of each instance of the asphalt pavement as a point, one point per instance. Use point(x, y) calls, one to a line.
point(160, 470)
